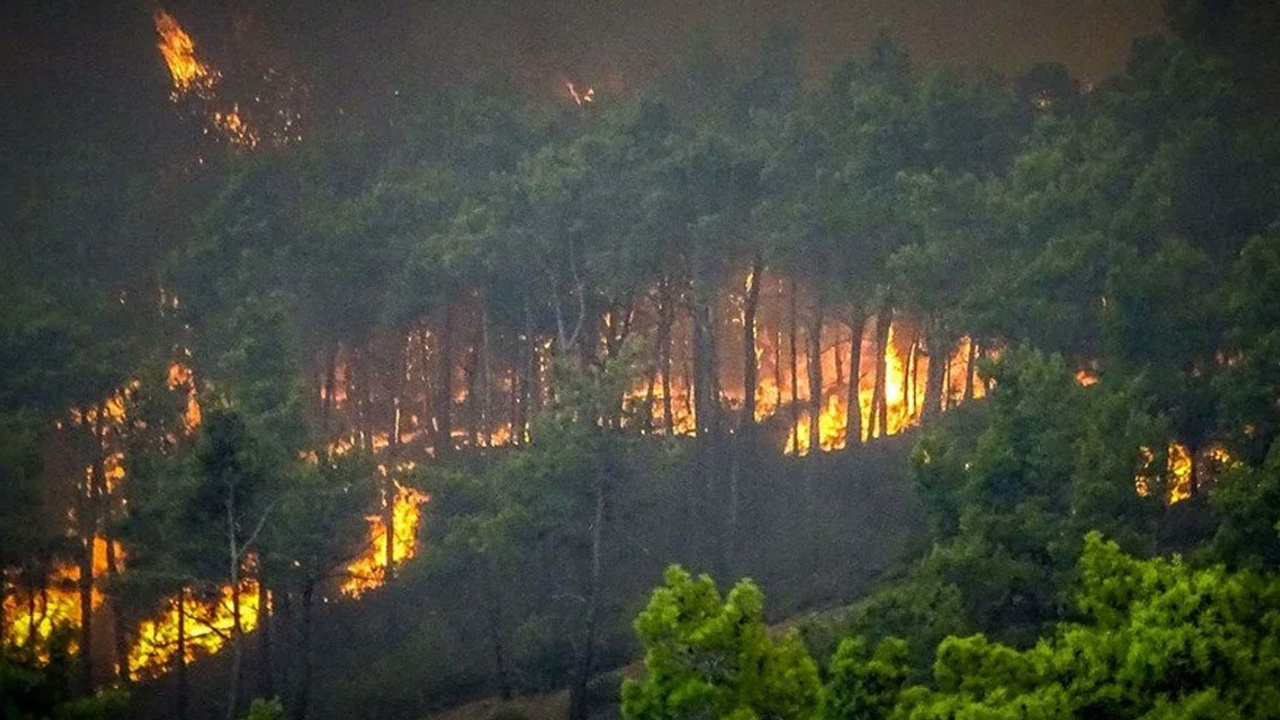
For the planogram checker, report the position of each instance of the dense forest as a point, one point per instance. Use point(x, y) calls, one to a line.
point(977, 377)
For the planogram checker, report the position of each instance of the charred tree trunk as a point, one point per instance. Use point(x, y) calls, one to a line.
point(815, 377)
point(853, 430)
point(444, 387)
point(879, 408)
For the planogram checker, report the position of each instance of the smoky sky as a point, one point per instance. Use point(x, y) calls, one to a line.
point(75, 68)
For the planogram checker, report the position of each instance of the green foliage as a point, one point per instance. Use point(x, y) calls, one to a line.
point(708, 657)
point(33, 688)
point(268, 709)
point(865, 685)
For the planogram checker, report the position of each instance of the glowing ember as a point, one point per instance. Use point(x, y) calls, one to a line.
point(369, 571)
point(581, 97)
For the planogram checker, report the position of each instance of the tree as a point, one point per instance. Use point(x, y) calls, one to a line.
point(708, 657)
point(865, 685)
point(315, 532)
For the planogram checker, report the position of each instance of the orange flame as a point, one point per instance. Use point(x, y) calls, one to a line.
point(369, 571)
point(209, 624)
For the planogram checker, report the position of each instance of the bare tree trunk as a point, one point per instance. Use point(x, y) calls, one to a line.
point(969, 369)
point(121, 647)
point(266, 679)
point(747, 419)
point(815, 376)
point(795, 371)
point(87, 504)
point(666, 315)
point(444, 387)
point(749, 367)
point(330, 387)
point(933, 387)
point(879, 407)
point(853, 430)
point(909, 380)
point(486, 412)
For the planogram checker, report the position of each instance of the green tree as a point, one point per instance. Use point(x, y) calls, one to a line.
point(712, 657)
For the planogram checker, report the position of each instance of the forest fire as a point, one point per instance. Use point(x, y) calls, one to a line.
point(193, 78)
point(179, 51)
point(369, 571)
point(201, 625)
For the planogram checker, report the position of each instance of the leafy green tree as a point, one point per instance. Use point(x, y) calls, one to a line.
point(865, 684)
point(712, 657)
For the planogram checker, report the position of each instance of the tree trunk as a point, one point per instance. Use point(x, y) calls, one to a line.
point(486, 412)
point(266, 678)
point(182, 654)
point(705, 370)
point(749, 366)
point(85, 584)
point(233, 684)
point(853, 429)
point(444, 387)
point(494, 612)
point(933, 387)
point(121, 647)
point(330, 387)
point(969, 370)
point(578, 705)
point(879, 406)
point(815, 377)
point(745, 439)
point(909, 380)
point(795, 371)
point(303, 698)
point(666, 315)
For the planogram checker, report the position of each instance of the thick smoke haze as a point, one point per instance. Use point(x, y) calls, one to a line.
point(75, 67)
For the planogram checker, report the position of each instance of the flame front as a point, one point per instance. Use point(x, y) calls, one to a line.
point(369, 571)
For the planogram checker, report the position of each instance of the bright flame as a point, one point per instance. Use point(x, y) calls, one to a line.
point(209, 625)
point(179, 51)
point(32, 616)
point(369, 571)
point(193, 78)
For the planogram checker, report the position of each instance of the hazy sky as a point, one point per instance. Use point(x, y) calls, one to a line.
point(72, 66)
